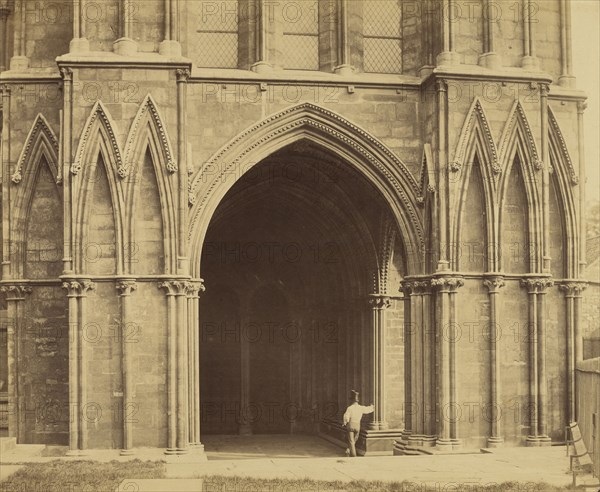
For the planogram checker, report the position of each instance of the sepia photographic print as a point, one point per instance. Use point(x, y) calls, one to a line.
point(299, 245)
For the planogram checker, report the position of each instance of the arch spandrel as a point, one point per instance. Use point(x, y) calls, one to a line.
point(327, 129)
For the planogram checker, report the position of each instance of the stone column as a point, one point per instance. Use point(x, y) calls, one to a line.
point(182, 76)
point(177, 372)
point(449, 55)
point(15, 295)
point(495, 439)
point(79, 43)
point(125, 45)
point(581, 107)
point(566, 78)
point(65, 166)
point(73, 291)
point(546, 259)
point(577, 337)
point(446, 339)
point(536, 287)
point(193, 297)
point(265, 30)
point(4, 13)
point(489, 58)
point(529, 60)
point(86, 286)
point(7, 247)
point(379, 303)
point(343, 67)
point(170, 45)
point(20, 62)
point(406, 289)
point(126, 288)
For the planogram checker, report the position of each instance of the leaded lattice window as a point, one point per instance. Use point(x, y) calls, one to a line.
point(300, 34)
point(382, 36)
point(216, 39)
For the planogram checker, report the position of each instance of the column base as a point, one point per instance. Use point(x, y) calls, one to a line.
point(495, 442)
point(426, 70)
point(538, 441)
point(127, 452)
point(79, 45)
point(344, 69)
point(531, 63)
point(370, 442)
point(448, 444)
point(19, 63)
point(169, 47)
point(73, 452)
point(490, 60)
point(125, 47)
point(567, 81)
point(261, 67)
point(185, 455)
point(448, 58)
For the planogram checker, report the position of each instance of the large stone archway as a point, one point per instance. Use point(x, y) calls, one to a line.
point(299, 260)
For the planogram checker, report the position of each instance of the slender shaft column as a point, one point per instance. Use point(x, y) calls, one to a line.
point(4, 13)
point(86, 286)
point(171, 367)
point(125, 45)
point(446, 338)
point(406, 288)
point(490, 58)
point(79, 42)
point(19, 61)
point(73, 290)
point(529, 60)
point(581, 106)
point(542, 379)
point(182, 174)
point(65, 166)
point(545, 178)
point(170, 45)
point(195, 287)
point(578, 296)
point(428, 366)
point(450, 17)
point(442, 172)
point(343, 67)
point(566, 78)
point(569, 290)
point(417, 362)
point(245, 427)
point(495, 439)
point(379, 303)
point(15, 295)
point(125, 288)
point(532, 332)
point(7, 246)
point(264, 17)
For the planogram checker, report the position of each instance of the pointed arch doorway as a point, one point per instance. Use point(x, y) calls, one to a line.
point(290, 257)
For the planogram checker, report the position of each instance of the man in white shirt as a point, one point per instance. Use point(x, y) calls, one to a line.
point(352, 418)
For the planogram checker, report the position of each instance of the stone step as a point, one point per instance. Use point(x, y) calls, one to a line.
point(7, 444)
point(160, 485)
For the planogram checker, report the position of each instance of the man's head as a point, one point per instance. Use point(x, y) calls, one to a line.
point(353, 395)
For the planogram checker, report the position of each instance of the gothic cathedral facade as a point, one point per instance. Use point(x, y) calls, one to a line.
point(220, 216)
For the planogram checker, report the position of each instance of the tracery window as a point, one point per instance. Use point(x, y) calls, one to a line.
point(300, 34)
point(217, 34)
point(382, 36)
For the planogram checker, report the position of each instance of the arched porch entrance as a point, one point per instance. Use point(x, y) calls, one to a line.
point(302, 228)
point(293, 254)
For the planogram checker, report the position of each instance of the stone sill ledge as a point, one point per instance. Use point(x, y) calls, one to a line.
point(95, 59)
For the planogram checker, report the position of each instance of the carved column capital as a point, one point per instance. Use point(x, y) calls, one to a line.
point(126, 287)
point(536, 285)
point(195, 287)
point(406, 287)
point(175, 287)
point(494, 283)
point(379, 301)
point(441, 85)
point(15, 292)
point(182, 74)
point(572, 288)
point(448, 283)
point(66, 73)
point(581, 106)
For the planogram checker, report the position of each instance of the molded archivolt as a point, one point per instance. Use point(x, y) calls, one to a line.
point(148, 135)
point(40, 147)
point(518, 148)
point(327, 129)
point(97, 144)
point(475, 144)
point(564, 178)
